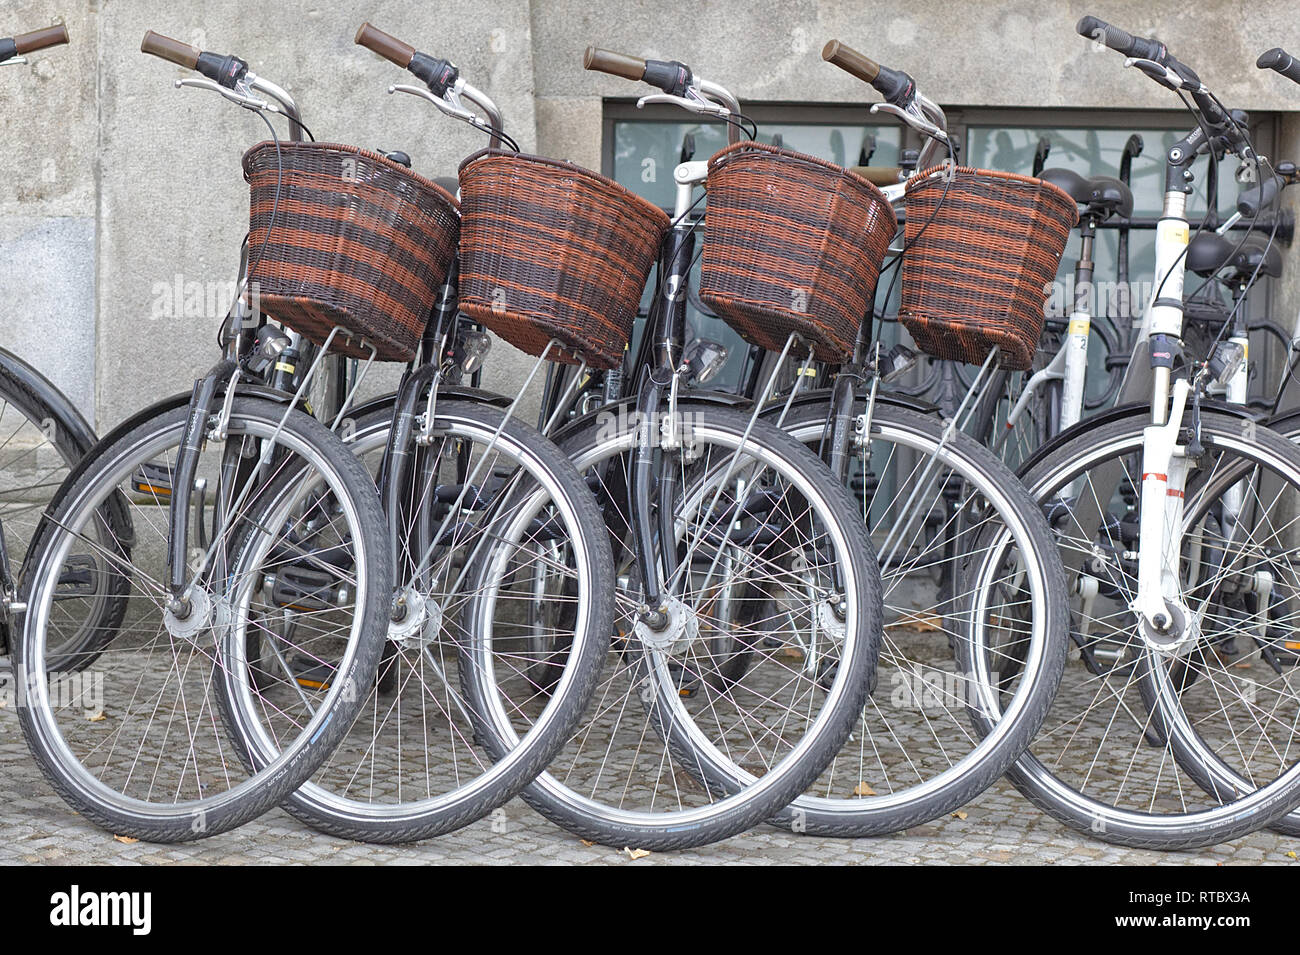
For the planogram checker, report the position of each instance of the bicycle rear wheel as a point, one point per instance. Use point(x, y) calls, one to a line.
point(975, 627)
point(138, 739)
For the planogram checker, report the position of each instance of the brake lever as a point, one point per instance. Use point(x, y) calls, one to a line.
point(920, 124)
point(696, 104)
point(15, 61)
point(235, 96)
point(454, 110)
point(1161, 74)
point(448, 104)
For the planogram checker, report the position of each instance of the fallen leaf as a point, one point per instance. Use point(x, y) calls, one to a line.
point(97, 717)
point(1291, 855)
point(126, 840)
point(862, 789)
point(635, 854)
point(918, 622)
point(587, 842)
point(959, 814)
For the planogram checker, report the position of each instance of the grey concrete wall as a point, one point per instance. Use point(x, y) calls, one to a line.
point(117, 184)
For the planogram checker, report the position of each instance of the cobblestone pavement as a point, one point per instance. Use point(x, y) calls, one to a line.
point(1000, 827)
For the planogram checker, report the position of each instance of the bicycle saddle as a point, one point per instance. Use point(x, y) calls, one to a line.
point(1103, 196)
point(1210, 252)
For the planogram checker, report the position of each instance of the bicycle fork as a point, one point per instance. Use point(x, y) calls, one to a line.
point(1166, 623)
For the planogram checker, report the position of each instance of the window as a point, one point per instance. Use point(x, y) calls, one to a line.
point(643, 146)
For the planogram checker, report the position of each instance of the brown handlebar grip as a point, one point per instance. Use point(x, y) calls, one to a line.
point(40, 39)
point(851, 61)
point(174, 51)
point(389, 47)
point(616, 64)
point(879, 175)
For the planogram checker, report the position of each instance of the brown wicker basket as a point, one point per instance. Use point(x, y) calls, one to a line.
point(549, 250)
point(358, 243)
point(793, 244)
point(982, 249)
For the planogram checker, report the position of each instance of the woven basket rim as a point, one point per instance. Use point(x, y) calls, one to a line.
point(369, 154)
point(573, 169)
point(926, 176)
point(722, 156)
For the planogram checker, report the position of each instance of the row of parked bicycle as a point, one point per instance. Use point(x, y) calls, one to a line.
point(666, 614)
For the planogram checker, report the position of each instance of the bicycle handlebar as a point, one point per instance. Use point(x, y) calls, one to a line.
point(173, 51)
point(671, 76)
point(1152, 50)
point(894, 85)
point(1280, 60)
point(1121, 41)
point(615, 64)
point(13, 46)
point(224, 70)
point(40, 39)
point(879, 175)
point(386, 45)
point(437, 74)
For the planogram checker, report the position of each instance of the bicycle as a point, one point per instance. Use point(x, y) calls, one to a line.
point(911, 757)
point(1167, 518)
point(749, 602)
point(502, 603)
point(222, 487)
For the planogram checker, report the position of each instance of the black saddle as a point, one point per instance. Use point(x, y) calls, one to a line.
point(1210, 252)
point(1101, 196)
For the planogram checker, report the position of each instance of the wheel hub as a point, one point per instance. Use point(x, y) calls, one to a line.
point(416, 620)
point(1179, 635)
point(681, 629)
point(201, 615)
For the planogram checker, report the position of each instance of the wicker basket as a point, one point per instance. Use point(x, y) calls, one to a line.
point(358, 242)
point(552, 251)
point(982, 250)
point(794, 244)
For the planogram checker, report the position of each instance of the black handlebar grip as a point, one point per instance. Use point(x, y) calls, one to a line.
point(615, 64)
point(174, 51)
point(389, 47)
point(1121, 41)
point(40, 39)
point(1280, 60)
point(1257, 197)
point(669, 75)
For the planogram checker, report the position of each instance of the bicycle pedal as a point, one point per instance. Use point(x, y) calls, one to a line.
point(306, 589)
point(313, 676)
point(152, 479)
point(386, 681)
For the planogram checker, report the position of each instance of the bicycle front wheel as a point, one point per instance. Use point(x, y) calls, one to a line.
point(138, 740)
point(709, 726)
point(502, 614)
point(1179, 748)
